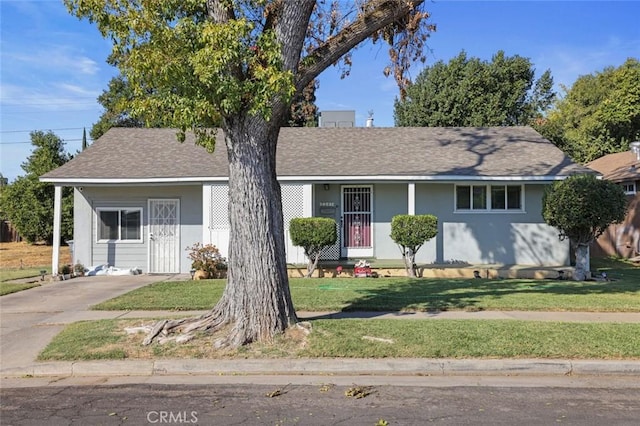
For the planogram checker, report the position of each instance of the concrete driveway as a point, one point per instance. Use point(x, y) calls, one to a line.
point(30, 319)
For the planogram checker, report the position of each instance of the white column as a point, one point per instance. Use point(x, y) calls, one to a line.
point(57, 215)
point(307, 200)
point(206, 214)
point(411, 190)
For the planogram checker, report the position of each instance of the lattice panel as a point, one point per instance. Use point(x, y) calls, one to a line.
point(292, 202)
point(219, 207)
point(333, 252)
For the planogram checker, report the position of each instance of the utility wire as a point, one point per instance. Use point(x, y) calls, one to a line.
point(23, 142)
point(35, 130)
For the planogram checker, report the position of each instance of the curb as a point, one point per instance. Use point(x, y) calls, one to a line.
point(329, 366)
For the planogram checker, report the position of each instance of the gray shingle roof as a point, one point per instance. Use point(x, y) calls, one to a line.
point(400, 152)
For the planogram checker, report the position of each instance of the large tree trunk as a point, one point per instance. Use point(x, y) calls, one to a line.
point(256, 301)
point(257, 289)
point(583, 268)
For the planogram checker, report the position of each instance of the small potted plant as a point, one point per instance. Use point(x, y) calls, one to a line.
point(78, 270)
point(207, 262)
point(65, 272)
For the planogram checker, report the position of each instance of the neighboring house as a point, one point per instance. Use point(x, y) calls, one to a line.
point(141, 197)
point(621, 239)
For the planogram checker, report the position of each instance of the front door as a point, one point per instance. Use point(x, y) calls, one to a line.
point(164, 236)
point(356, 221)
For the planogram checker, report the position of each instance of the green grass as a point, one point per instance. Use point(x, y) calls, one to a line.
point(8, 288)
point(403, 294)
point(9, 274)
point(85, 340)
point(352, 338)
point(473, 339)
point(168, 295)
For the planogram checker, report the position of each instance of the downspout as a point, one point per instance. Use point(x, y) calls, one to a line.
point(57, 215)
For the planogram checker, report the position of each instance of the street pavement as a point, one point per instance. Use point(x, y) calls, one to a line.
point(31, 318)
point(321, 403)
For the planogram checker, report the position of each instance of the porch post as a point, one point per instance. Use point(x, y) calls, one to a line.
point(206, 214)
point(411, 207)
point(57, 215)
point(307, 200)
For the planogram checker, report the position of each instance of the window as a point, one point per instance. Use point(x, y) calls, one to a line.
point(489, 197)
point(471, 197)
point(506, 197)
point(120, 224)
point(629, 188)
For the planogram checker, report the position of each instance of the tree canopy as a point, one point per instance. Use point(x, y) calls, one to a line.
point(582, 207)
point(117, 98)
point(471, 92)
point(599, 115)
point(240, 63)
point(28, 203)
point(116, 101)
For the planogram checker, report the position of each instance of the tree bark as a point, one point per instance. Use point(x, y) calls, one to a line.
point(256, 301)
point(583, 268)
point(409, 262)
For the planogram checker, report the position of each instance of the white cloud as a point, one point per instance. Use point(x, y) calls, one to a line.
point(54, 97)
point(53, 58)
point(77, 90)
point(568, 62)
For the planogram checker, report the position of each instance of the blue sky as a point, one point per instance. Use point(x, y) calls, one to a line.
point(53, 65)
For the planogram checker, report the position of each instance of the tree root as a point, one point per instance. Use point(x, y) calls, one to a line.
point(184, 328)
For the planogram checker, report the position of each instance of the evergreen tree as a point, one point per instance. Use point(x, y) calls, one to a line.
point(471, 92)
point(599, 115)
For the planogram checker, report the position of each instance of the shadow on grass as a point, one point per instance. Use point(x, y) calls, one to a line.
point(480, 294)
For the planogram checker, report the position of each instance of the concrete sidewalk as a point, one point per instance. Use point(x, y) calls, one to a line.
point(30, 319)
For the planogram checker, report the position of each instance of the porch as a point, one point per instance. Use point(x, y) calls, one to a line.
point(395, 268)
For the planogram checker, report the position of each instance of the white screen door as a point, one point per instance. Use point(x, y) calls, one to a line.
point(164, 236)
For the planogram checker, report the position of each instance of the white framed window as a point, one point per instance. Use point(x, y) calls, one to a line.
point(494, 198)
point(119, 224)
point(629, 188)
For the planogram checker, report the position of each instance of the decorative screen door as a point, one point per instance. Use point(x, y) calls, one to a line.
point(356, 221)
point(164, 236)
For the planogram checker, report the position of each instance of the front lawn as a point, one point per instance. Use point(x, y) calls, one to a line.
point(8, 288)
point(404, 294)
point(8, 274)
point(369, 338)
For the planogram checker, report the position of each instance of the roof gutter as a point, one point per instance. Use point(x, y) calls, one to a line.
point(328, 178)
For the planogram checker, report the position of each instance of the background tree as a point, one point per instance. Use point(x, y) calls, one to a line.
point(240, 63)
point(85, 144)
point(582, 207)
point(116, 101)
point(313, 234)
point(410, 232)
point(599, 115)
point(471, 92)
point(28, 203)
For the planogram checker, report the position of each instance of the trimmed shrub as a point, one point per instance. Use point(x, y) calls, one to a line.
point(313, 234)
point(410, 232)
